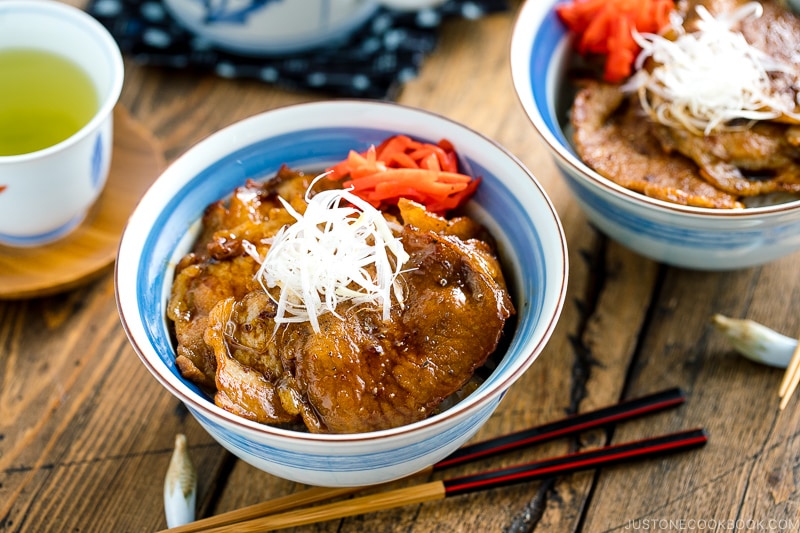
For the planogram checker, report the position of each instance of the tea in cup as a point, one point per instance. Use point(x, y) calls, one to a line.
point(61, 75)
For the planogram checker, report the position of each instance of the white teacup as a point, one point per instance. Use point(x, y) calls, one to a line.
point(45, 192)
point(275, 27)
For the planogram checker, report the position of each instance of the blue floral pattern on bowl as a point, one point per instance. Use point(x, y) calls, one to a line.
point(232, 12)
point(98, 163)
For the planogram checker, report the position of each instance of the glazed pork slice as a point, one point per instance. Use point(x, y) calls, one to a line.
point(247, 371)
point(365, 374)
point(360, 372)
point(749, 162)
point(613, 136)
point(252, 212)
point(198, 287)
point(219, 266)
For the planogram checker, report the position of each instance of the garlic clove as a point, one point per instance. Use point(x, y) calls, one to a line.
point(756, 341)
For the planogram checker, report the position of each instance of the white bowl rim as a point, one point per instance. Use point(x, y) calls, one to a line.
point(445, 419)
point(525, 28)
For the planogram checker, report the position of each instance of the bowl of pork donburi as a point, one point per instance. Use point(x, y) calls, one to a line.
point(674, 123)
point(342, 292)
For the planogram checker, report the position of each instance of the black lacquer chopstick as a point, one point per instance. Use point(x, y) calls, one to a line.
point(576, 462)
point(568, 426)
point(437, 490)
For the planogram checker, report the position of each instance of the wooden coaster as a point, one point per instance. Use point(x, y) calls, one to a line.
point(85, 253)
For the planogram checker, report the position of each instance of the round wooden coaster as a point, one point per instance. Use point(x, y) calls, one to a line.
point(92, 247)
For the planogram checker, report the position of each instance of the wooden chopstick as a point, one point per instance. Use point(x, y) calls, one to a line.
point(570, 425)
point(437, 490)
point(790, 378)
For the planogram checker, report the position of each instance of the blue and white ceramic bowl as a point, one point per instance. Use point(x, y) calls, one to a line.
point(279, 27)
point(690, 237)
point(509, 201)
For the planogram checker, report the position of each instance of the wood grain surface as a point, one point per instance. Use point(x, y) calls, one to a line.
point(86, 433)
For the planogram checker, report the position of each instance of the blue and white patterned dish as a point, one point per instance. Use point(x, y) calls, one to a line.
point(310, 136)
point(280, 27)
point(691, 237)
point(268, 27)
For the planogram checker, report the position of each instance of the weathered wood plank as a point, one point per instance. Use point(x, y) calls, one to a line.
point(86, 431)
point(748, 469)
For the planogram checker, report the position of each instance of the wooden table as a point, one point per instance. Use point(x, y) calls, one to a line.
point(86, 432)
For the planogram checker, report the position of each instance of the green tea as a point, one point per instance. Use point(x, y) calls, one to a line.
point(44, 99)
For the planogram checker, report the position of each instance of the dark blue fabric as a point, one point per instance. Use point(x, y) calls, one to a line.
point(373, 63)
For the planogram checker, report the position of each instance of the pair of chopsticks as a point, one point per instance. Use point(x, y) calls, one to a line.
point(277, 513)
point(790, 379)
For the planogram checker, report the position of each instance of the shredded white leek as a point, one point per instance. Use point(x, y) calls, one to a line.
point(705, 79)
point(340, 250)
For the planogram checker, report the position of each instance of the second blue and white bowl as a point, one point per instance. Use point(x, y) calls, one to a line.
point(690, 237)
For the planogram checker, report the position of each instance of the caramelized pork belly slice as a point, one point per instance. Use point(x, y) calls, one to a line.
point(727, 158)
point(466, 229)
point(220, 265)
point(777, 33)
point(414, 214)
point(252, 213)
point(366, 374)
point(197, 288)
point(249, 328)
point(242, 389)
point(613, 136)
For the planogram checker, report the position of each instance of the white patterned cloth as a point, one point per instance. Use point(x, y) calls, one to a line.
point(373, 63)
